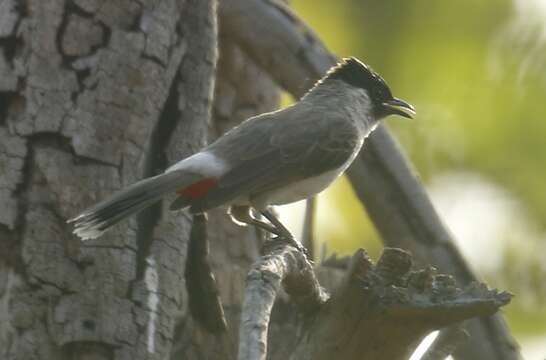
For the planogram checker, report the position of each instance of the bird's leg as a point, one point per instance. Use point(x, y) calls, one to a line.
point(281, 229)
point(241, 214)
point(283, 232)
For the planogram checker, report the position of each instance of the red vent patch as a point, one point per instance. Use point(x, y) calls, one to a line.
point(197, 189)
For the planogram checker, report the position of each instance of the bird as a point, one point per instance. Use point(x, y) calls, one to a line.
point(270, 159)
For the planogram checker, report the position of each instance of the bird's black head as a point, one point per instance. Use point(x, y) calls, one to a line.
point(357, 74)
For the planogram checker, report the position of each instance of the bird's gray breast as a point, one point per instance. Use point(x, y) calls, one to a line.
point(296, 191)
point(307, 187)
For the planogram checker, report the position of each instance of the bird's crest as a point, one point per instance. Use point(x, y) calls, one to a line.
point(356, 73)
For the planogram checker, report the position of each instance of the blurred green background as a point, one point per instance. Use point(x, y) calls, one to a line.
point(476, 73)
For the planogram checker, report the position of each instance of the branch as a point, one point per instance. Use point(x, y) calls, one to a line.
point(278, 41)
point(282, 265)
point(445, 344)
point(380, 312)
point(307, 236)
point(396, 201)
point(203, 297)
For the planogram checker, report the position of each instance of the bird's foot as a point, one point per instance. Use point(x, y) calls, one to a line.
point(286, 236)
point(274, 226)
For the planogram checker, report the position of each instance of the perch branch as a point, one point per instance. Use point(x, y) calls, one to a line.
point(282, 265)
point(380, 312)
point(398, 205)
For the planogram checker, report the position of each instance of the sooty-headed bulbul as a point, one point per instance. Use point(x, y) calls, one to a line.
point(270, 159)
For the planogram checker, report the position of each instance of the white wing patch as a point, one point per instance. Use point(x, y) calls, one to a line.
point(204, 163)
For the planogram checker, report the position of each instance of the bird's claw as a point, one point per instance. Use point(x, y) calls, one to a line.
point(290, 240)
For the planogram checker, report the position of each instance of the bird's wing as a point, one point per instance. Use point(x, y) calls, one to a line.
point(275, 153)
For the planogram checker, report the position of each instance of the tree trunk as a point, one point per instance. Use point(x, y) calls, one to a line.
point(95, 95)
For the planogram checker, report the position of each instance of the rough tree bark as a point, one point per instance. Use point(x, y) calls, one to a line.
point(96, 94)
point(91, 93)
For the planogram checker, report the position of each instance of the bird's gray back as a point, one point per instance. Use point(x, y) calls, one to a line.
point(275, 149)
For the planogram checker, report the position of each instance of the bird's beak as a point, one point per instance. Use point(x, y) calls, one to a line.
point(400, 107)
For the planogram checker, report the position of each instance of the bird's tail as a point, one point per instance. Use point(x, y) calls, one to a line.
point(96, 220)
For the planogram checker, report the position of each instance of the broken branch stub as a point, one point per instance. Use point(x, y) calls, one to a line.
point(382, 311)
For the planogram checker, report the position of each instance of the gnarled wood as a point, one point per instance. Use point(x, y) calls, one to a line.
point(281, 265)
point(382, 311)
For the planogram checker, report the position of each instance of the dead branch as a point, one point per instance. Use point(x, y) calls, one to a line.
point(396, 201)
point(380, 312)
point(282, 265)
